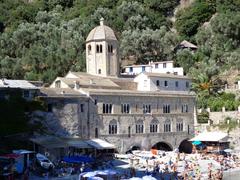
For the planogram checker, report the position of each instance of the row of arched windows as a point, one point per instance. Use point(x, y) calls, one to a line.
point(99, 48)
point(139, 127)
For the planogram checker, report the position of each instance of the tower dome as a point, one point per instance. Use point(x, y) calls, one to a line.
point(101, 32)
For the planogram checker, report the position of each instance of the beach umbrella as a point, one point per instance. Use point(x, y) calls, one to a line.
point(90, 174)
point(227, 150)
point(196, 142)
point(95, 178)
point(135, 178)
point(148, 178)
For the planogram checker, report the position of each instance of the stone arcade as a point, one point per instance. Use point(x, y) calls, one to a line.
point(149, 110)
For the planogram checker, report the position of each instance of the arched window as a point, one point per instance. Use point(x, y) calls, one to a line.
point(184, 108)
point(58, 84)
point(154, 126)
point(98, 48)
point(112, 127)
point(157, 83)
point(110, 48)
point(167, 126)
point(99, 71)
point(179, 125)
point(139, 126)
point(89, 49)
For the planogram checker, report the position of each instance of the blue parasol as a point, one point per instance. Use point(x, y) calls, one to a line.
point(78, 159)
point(196, 142)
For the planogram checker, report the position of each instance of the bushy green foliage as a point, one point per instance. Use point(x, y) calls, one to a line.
point(43, 50)
point(148, 44)
point(226, 100)
point(46, 38)
point(189, 19)
point(229, 124)
point(203, 117)
point(229, 5)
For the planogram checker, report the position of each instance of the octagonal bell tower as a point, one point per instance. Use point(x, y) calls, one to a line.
point(102, 51)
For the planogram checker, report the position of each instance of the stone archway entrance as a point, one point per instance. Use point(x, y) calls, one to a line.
point(185, 146)
point(162, 146)
point(133, 148)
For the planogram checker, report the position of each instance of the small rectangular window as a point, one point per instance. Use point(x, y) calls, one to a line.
point(107, 108)
point(166, 108)
point(166, 83)
point(164, 65)
point(156, 66)
point(131, 69)
point(176, 83)
point(82, 107)
point(143, 68)
point(125, 108)
point(146, 108)
point(187, 84)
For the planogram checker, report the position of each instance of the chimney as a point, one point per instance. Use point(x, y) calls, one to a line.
point(4, 82)
point(76, 85)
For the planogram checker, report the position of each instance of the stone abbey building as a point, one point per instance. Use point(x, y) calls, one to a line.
point(144, 111)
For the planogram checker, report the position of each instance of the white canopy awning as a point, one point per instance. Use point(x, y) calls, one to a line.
point(100, 144)
point(211, 137)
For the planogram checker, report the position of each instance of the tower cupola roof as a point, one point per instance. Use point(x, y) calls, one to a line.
point(101, 32)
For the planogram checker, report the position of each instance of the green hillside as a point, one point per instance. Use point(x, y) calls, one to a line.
point(43, 39)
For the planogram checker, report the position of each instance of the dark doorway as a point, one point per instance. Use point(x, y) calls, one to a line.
point(133, 148)
point(162, 146)
point(185, 146)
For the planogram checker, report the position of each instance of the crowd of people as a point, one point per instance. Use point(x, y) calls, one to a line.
point(186, 166)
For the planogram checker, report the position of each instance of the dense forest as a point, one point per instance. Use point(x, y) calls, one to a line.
point(43, 39)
